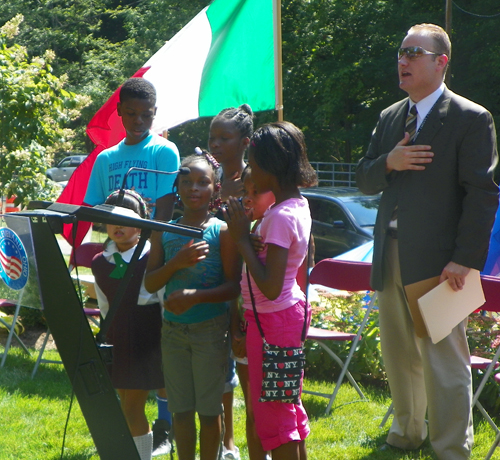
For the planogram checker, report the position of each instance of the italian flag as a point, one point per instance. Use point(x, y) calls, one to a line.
point(224, 57)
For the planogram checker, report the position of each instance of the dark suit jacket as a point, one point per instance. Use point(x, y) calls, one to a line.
point(446, 212)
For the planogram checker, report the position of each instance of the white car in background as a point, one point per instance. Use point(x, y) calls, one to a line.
point(342, 219)
point(62, 172)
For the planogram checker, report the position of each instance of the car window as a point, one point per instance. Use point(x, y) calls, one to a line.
point(333, 213)
point(64, 163)
point(364, 209)
point(328, 212)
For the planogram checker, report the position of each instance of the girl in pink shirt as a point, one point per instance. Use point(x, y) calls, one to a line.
point(278, 158)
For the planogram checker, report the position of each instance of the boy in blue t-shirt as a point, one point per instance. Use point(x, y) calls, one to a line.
point(142, 149)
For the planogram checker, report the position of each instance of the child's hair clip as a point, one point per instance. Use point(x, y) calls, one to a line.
point(208, 156)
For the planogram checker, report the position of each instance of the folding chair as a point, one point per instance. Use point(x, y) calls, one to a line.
point(491, 289)
point(347, 276)
point(81, 257)
point(12, 327)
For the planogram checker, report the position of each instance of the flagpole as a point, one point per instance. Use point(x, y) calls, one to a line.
point(278, 70)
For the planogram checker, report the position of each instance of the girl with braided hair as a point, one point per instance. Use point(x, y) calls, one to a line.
point(228, 140)
point(200, 277)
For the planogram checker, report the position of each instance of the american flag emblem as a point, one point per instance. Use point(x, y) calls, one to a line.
point(12, 265)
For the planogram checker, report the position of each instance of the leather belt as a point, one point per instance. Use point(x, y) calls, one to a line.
point(392, 232)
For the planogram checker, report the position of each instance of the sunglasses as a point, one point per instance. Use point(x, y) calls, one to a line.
point(414, 52)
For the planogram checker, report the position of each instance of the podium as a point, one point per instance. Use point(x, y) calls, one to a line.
point(30, 254)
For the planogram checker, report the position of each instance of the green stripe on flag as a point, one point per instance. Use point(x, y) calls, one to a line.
point(242, 47)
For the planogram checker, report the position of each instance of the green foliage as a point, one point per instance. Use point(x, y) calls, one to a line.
point(28, 317)
point(483, 333)
point(40, 407)
point(98, 44)
point(339, 65)
point(475, 62)
point(195, 133)
point(345, 313)
point(340, 68)
point(342, 57)
point(32, 317)
point(6, 324)
point(35, 108)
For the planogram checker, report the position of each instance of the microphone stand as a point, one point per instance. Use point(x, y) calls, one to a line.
point(106, 349)
point(121, 194)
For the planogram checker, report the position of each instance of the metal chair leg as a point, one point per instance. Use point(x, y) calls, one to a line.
point(40, 354)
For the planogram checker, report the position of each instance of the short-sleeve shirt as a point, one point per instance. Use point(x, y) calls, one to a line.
point(287, 225)
point(111, 165)
point(206, 274)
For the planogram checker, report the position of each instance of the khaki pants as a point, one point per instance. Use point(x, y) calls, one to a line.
point(424, 376)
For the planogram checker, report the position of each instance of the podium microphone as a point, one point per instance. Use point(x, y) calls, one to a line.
point(119, 201)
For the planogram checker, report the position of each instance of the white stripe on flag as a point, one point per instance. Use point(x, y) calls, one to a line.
point(12, 265)
point(179, 86)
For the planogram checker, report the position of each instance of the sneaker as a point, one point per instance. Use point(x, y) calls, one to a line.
point(161, 443)
point(230, 454)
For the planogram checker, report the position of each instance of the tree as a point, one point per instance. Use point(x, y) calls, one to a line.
point(98, 43)
point(340, 69)
point(475, 60)
point(35, 107)
point(339, 66)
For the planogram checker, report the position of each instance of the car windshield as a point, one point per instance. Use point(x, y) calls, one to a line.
point(364, 209)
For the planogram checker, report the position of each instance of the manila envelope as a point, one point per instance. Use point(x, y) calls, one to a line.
point(413, 293)
point(443, 308)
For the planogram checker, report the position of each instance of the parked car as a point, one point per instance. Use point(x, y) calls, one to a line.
point(343, 219)
point(64, 169)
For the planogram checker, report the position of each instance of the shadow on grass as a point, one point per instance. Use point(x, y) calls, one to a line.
point(76, 456)
point(51, 380)
point(316, 406)
point(375, 444)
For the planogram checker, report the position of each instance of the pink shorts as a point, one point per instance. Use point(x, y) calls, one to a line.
point(276, 423)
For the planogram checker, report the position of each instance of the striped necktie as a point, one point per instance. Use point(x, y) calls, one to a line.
point(411, 128)
point(411, 123)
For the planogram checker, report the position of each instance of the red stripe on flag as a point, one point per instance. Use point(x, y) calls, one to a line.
point(12, 266)
point(105, 130)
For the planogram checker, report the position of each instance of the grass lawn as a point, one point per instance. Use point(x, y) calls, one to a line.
point(34, 414)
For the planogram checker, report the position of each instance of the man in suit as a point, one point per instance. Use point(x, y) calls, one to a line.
point(435, 170)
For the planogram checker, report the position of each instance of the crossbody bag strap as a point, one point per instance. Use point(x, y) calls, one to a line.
point(253, 305)
point(304, 328)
